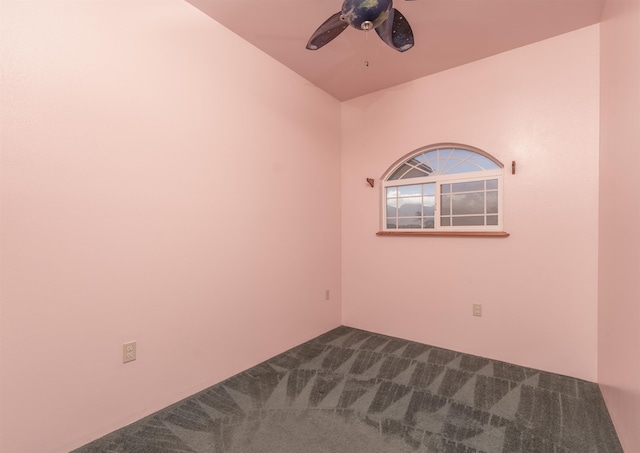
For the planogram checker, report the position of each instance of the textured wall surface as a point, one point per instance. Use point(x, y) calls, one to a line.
point(619, 292)
point(162, 182)
point(537, 105)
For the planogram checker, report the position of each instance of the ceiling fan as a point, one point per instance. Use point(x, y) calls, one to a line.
point(388, 22)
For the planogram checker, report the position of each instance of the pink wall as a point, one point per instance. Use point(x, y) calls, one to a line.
point(537, 105)
point(619, 293)
point(162, 181)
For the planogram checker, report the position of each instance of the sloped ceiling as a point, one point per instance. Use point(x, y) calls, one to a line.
point(447, 33)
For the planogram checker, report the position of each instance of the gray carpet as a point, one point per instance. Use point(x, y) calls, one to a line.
point(351, 391)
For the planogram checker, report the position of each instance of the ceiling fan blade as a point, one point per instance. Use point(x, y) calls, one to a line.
point(331, 28)
point(396, 32)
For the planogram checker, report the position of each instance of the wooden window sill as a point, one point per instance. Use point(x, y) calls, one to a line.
point(499, 234)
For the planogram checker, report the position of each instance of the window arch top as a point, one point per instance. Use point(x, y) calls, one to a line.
point(446, 160)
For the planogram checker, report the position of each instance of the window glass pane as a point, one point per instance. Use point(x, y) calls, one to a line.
point(468, 221)
point(415, 173)
point(445, 204)
point(492, 184)
point(468, 186)
point(484, 162)
point(420, 165)
point(492, 202)
point(429, 189)
point(440, 165)
point(412, 222)
point(428, 159)
point(410, 206)
point(461, 154)
point(428, 203)
point(445, 221)
point(391, 224)
point(399, 172)
point(431, 156)
point(392, 207)
point(428, 222)
point(409, 191)
point(392, 192)
point(492, 220)
point(468, 203)
point(445, 188)
point(462, 167)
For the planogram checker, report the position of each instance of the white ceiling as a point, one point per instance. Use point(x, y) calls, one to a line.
point(447, 33)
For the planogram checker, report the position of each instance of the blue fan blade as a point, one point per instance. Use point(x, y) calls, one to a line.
point(396, 31)
point(331, 28)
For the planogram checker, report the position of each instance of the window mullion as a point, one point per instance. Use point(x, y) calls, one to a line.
point(485, 201)
point(436, 208)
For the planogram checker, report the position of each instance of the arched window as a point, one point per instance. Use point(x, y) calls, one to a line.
point(443, 188)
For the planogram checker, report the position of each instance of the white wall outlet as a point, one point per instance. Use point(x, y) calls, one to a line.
point(327, 294)
point(129, 352)
point(477, 310)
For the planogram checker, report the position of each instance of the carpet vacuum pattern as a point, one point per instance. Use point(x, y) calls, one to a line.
point(352, 391)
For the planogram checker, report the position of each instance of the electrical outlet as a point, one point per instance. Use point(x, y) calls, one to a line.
point(129, 352)
point(327, 294)
point(477, 310)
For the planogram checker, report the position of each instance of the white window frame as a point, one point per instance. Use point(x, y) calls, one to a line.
point(438, 181)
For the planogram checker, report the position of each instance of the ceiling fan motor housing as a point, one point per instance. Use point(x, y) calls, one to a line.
point(358, 12)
